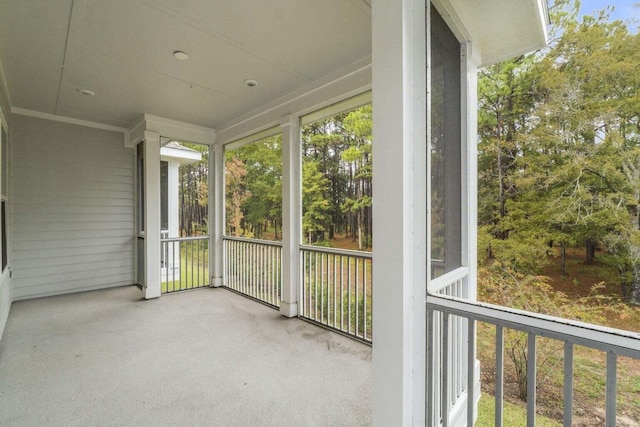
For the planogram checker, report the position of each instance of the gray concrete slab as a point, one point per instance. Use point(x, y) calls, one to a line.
point(206, 357)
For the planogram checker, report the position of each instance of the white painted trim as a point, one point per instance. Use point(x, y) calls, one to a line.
point(451, 18)
point(180, 130)
point(63, 119)
point(171, 129)
point(216, 214)
point(152, 287)
point(257, 136)
point(469, 86)
point(181, 156)
point(331, 89)
point(337, 108)
point(291, 214)
point(135, 134)
point(399, 211)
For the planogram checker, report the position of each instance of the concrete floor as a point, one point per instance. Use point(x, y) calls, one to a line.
point(206, 357)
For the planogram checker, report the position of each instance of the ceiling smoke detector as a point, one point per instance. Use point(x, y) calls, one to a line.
point(86, 92)
point(180, 55)
point(251, 83)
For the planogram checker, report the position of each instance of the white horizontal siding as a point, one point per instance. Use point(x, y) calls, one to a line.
point(72, 201)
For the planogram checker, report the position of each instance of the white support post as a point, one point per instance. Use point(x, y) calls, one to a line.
point(469, 173)
point(152, 214)
point(399, 211)
point(291, 215)
point(173, 198)
point(216, 213)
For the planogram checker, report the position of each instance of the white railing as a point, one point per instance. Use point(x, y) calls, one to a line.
point(184, 263)
point(450, 309)
point(336, 289)
point(449, 338)
point(253, 267)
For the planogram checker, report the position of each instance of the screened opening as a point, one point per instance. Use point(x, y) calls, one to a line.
point(337, 176)
point(445, 149)
point(184, 215)
point(253, 217)
point(253, 188)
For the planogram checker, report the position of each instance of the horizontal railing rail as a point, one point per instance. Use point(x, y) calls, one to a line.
point(184, 263)
point(613, 342)
point(336, 289)
point(251, 240)
point(253, 268)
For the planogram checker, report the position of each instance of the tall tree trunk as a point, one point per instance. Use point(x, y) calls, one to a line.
point(590, 247)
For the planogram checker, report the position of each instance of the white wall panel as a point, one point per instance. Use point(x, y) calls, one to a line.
point(73, 208)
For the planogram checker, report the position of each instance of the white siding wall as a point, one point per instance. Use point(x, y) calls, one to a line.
point(73, 208)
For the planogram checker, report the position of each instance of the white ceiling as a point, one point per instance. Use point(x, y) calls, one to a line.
point(123, 51)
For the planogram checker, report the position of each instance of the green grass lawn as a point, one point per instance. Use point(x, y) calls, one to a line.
point(194, 273)
point(513, 415)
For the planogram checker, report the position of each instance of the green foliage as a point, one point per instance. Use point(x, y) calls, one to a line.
point(340, 149)
point(316, 217)
point(253, 179)
point(534, 293)
point(193, 193)
point(559, 149)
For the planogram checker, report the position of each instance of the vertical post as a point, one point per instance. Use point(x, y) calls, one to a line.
point(151, 287)
point(173, 198)
point(173, 219)
point(216, 213)
point(399, 211)
point(611, 389)
point(291, 215)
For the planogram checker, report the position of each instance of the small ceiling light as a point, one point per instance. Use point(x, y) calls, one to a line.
point(180, 55)
point(86, 92)
point(251, 83)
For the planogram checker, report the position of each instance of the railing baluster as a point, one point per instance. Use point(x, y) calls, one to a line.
point(321, 283)
point(349, 295)
point(431, 392)
point(341, 292)
point(612, 370)
point(444, 397)
point(364, 297)
point(471, 356)
point(335, 293)
point(568, 384)
point(357, 276)
point(531, 380)
point(499, 375)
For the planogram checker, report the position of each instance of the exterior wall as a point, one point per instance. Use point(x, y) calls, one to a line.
point(72, 196)
point(5, 278)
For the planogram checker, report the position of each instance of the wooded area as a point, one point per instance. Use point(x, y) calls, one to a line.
point(559, 150)
point(336, 183)
point(194, 194)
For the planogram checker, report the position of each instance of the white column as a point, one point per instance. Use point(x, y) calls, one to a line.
point(173, 198)
point(399, 211)
point(152, 214)
point(291, 214)
point(216, 213)
point(469, 71)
